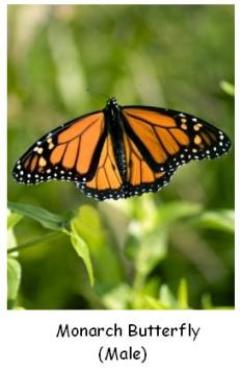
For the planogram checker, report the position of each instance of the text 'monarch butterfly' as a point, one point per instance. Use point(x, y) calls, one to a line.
point(120, 151)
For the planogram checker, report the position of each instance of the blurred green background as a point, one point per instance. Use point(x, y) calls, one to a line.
point(173, 249)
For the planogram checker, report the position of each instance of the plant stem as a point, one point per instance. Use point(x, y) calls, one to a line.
point(38, 240)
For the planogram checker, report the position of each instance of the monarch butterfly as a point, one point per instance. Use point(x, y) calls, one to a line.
point(120, 151)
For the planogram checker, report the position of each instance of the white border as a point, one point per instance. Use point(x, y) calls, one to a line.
point(237, 156)
point(29, 336)
point(144, 2)
point(3, 152)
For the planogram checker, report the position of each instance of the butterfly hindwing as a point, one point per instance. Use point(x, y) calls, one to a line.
point(141, 177)
point(107, 181)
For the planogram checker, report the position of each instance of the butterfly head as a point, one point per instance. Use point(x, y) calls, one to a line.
point(112, 102)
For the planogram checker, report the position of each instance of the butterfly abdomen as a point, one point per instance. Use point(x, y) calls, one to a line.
point(116, 129)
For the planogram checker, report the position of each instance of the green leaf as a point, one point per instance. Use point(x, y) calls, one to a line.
point(206, 301)
point(14, 278)
point(13, 219)
point(118, 225)
point(153, 303)
point(118, 298)
point(88, 224)
point(222, 220)
point(82, 250)
point(183, 294)
point(104, 254)
point(175, 211)
point(166, 298)
point(42, 216)
point(228, 88)
point(152, 249)
point(12, 242)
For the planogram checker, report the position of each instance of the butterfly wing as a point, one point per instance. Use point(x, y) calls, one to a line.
point(106, 182)
point(168, 138)
point(141, 177)
point(70, 152)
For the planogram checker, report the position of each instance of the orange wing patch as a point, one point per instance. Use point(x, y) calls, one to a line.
point(71, 152)
point(76, 144)
point(151, 140)
point(57, 154)
point(160, 139)
point(89, 140)
point(26, 162)
point(138, 170)
point(180, 136)
point(33, 162)
point(107, 176)
point(77, 128)
point(154, 118)
point(169, 143)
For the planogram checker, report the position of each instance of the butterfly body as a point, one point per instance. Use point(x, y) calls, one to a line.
point(115, 128)
point(120, 151)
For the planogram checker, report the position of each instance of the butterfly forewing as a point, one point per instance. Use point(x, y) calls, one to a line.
point(169, 138)
point(61, 154)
